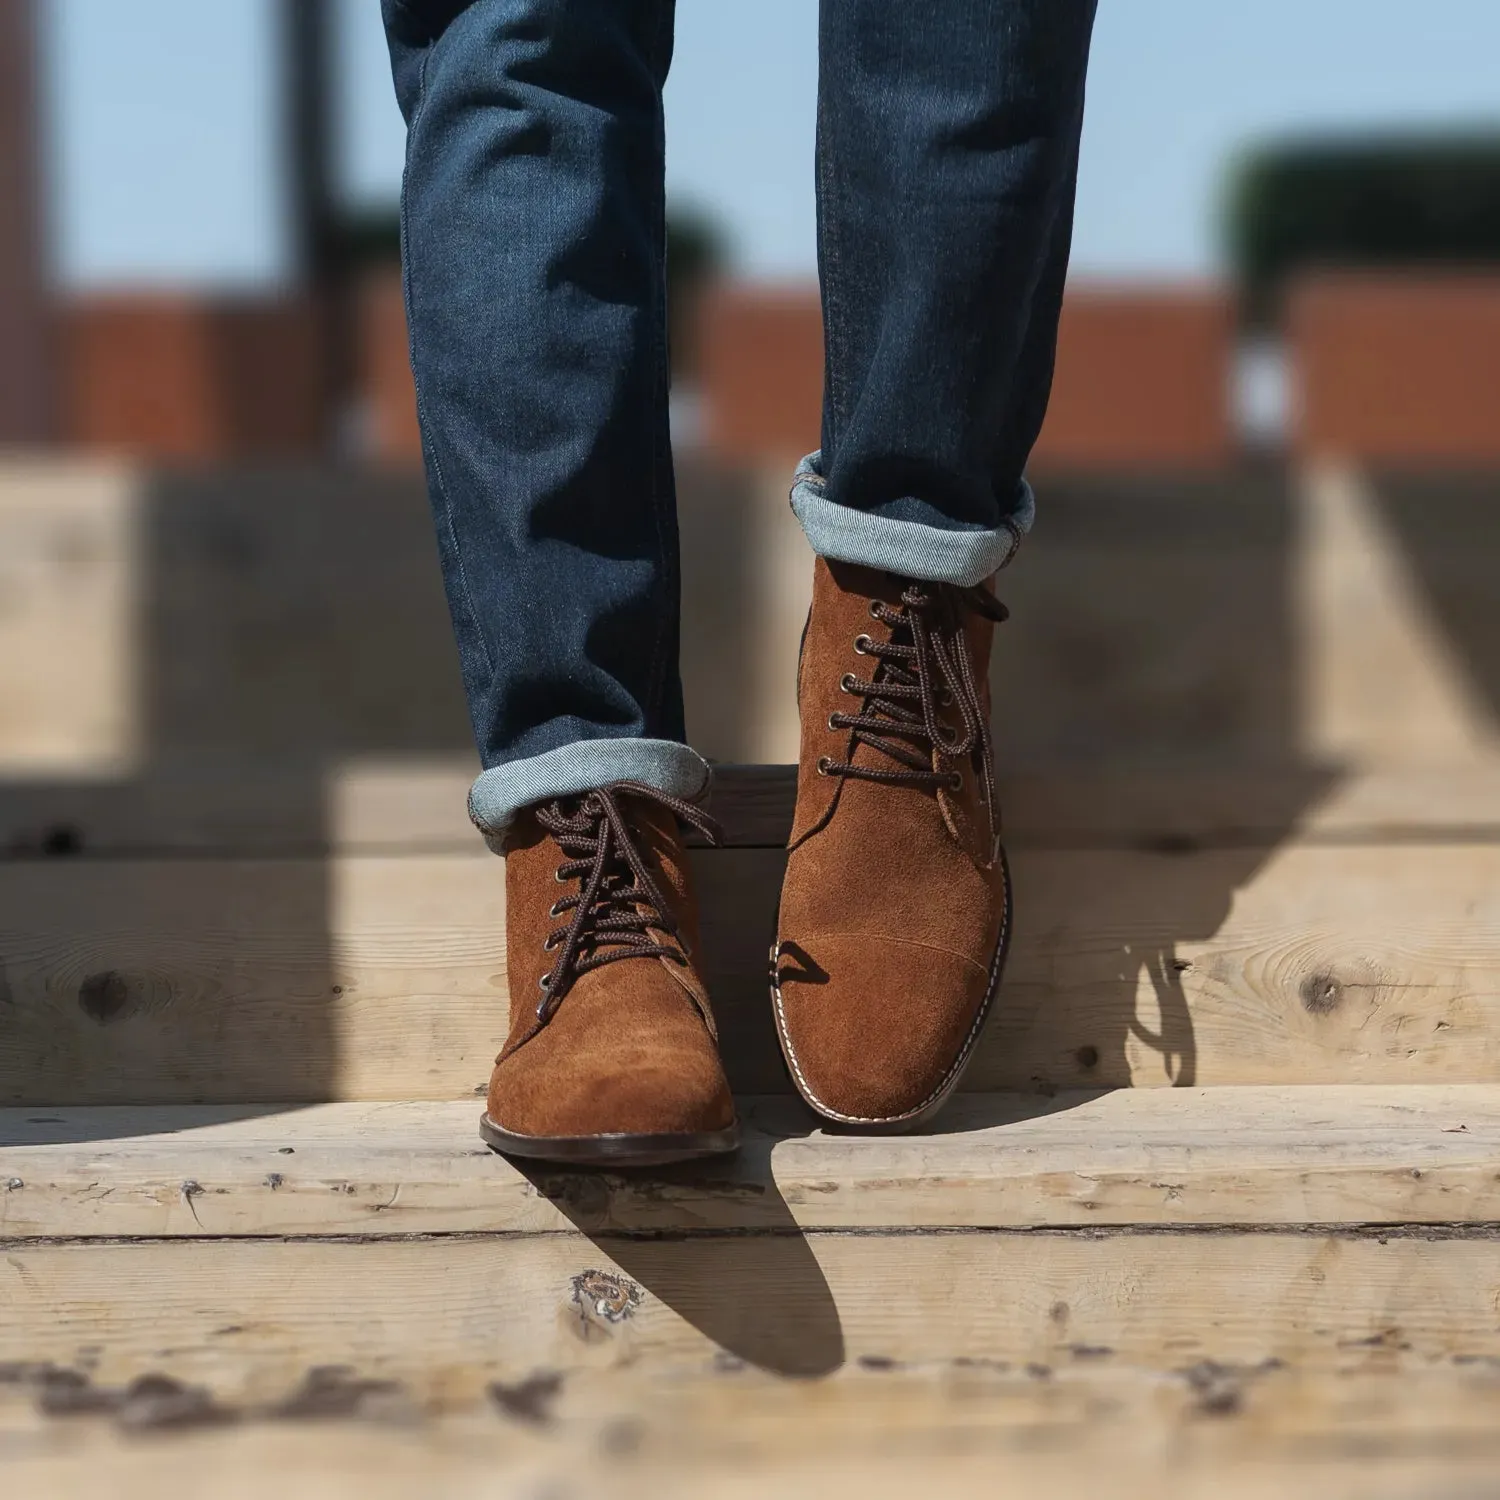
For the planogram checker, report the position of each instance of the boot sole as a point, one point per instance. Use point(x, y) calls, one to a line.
point(914, 1119)
point(616, 1149)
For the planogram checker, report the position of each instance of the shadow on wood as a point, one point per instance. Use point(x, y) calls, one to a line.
point(761, 1297)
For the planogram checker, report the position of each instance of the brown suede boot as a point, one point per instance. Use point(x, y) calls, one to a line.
point(612, 1057)
point(895, 911)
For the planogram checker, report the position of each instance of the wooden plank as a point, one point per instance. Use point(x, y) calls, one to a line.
point(267, 979)
point(885, 1436)
point(1381, 674)
point(383, 977)
point(70, 602)
point(382, 806)
point(447, 1314)
point(259, 808)
point(1274, 1155)
point(1154, 623)
point(1075, 1431)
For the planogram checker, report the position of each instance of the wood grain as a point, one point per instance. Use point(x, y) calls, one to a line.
point(446, 1314)
point(71, 689)
point(1265, 1156)
point(1072, 1431)
point(382, 977)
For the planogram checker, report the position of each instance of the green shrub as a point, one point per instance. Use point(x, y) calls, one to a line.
point(1373, 202)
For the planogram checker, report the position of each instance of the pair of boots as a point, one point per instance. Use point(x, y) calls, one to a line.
point(893, 920)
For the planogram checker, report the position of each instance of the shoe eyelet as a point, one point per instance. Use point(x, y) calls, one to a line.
point(862, 645)
point(549, 945)
point(555, 910)
point(541, 983)
point(875, 609)
point(846, 682)
point(833, 722)
point(956, 781)
point(823, 765)
point(557, 875)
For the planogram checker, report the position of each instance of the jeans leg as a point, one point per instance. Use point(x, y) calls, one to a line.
point(533, 240)
point(947, 164)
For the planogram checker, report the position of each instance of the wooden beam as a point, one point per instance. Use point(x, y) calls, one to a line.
point(1070, 1433)
point(446, 1315)
point(383, 977)
point(419, 805)
point(1272, 1155)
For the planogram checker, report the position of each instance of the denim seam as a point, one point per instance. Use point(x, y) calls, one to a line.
point(835, 359)
point(429, 447)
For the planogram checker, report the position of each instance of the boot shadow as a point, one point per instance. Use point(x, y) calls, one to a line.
point(717, 1243)
point(1148, 707)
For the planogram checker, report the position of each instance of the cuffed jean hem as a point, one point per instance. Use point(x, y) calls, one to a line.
point(932, 554)
point(500, 792)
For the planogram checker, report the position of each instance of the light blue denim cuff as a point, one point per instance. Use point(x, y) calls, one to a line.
point(580, 767)
point(932, 554)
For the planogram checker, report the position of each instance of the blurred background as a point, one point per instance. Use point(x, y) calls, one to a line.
point(1287, 252)
point(1269, 502)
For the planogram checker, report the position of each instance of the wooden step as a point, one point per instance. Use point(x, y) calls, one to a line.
point(150, 618)
point(1365, 949)
point(1154, 1228)
point(1162, 1283)
point(1195, 1434)
point(1339, 1155)
point(254, 809)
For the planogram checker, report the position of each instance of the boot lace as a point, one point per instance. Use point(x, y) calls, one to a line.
point(619, 902)
point(923, 668)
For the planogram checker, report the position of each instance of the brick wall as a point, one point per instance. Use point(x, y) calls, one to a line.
point(186, 377)
point(1143, 378)
point(1142, 382)
point(1385, 368)
point(760, 357)
point(1397, 368)
point(384, 370)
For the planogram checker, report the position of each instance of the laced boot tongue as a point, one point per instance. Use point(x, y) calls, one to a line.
point(619, 911)
point(923, 668)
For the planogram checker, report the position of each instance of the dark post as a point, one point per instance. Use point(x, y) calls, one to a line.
point(307, 46)
point(28, 404)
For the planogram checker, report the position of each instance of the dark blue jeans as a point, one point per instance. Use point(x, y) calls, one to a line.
point(533, 238)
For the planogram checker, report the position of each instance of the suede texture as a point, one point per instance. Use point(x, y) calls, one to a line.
point(632, 1048)
point(894, 899)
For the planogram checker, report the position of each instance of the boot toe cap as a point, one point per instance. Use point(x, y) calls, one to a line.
point(875, 1028)
point(611, 1095)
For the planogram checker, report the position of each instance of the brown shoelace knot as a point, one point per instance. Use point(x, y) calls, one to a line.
point(923, 668)
point(619, 909)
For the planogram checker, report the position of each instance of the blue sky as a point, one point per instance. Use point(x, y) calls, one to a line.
point(162, 151)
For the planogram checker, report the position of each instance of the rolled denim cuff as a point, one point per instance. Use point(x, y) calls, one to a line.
point(500, 792)
point(934, 554)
